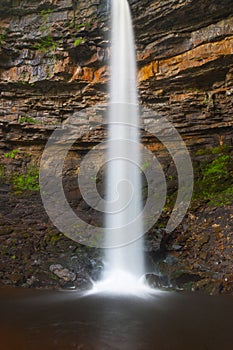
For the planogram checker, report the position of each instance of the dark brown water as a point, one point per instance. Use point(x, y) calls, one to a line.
point(32, 320)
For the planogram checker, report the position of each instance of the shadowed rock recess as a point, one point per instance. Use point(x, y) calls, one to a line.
point(54, 63)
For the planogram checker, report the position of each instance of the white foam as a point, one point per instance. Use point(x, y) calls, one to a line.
point(121, 283)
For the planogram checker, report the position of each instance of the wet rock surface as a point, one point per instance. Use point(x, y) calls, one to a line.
point(35, 254)
point(54, 59)
point(197, 256)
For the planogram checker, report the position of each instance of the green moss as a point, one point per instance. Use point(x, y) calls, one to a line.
point(2, 38)
point(223, 149)
point(94, 178)
point(194, 89)
point(27, 181)
point(53, 238)
point(28, 120)
point(46, 44)
point(44, 16)
point(214, 178)
point(45, 13)
point(204, 102)
point(11, 154)
point(73, 25)
point(83, 25)
point(217, 168)
point(145, 165)
point(79, 41)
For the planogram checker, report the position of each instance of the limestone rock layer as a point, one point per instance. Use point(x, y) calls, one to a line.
point(54, 61)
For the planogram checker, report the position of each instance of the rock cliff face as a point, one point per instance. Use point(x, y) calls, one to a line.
point(54, 63)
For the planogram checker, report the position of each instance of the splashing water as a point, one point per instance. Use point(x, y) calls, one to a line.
point(121, 282)
point(124, 258)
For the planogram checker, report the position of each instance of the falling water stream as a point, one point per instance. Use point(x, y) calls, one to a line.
point(124, 261)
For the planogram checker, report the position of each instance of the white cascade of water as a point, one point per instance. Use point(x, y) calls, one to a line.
point(124, 257)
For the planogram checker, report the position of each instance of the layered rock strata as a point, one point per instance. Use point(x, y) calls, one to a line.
point(54, 64)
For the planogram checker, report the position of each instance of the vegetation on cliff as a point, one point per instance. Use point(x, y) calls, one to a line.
point(54, 58)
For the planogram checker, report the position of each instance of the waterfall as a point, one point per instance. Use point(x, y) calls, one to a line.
point(124, 257)
point(123, 147)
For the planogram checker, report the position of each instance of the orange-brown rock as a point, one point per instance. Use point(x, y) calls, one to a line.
point(52, 65)
point(197, 57)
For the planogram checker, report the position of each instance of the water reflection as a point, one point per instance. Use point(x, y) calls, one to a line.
point(33, 320)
